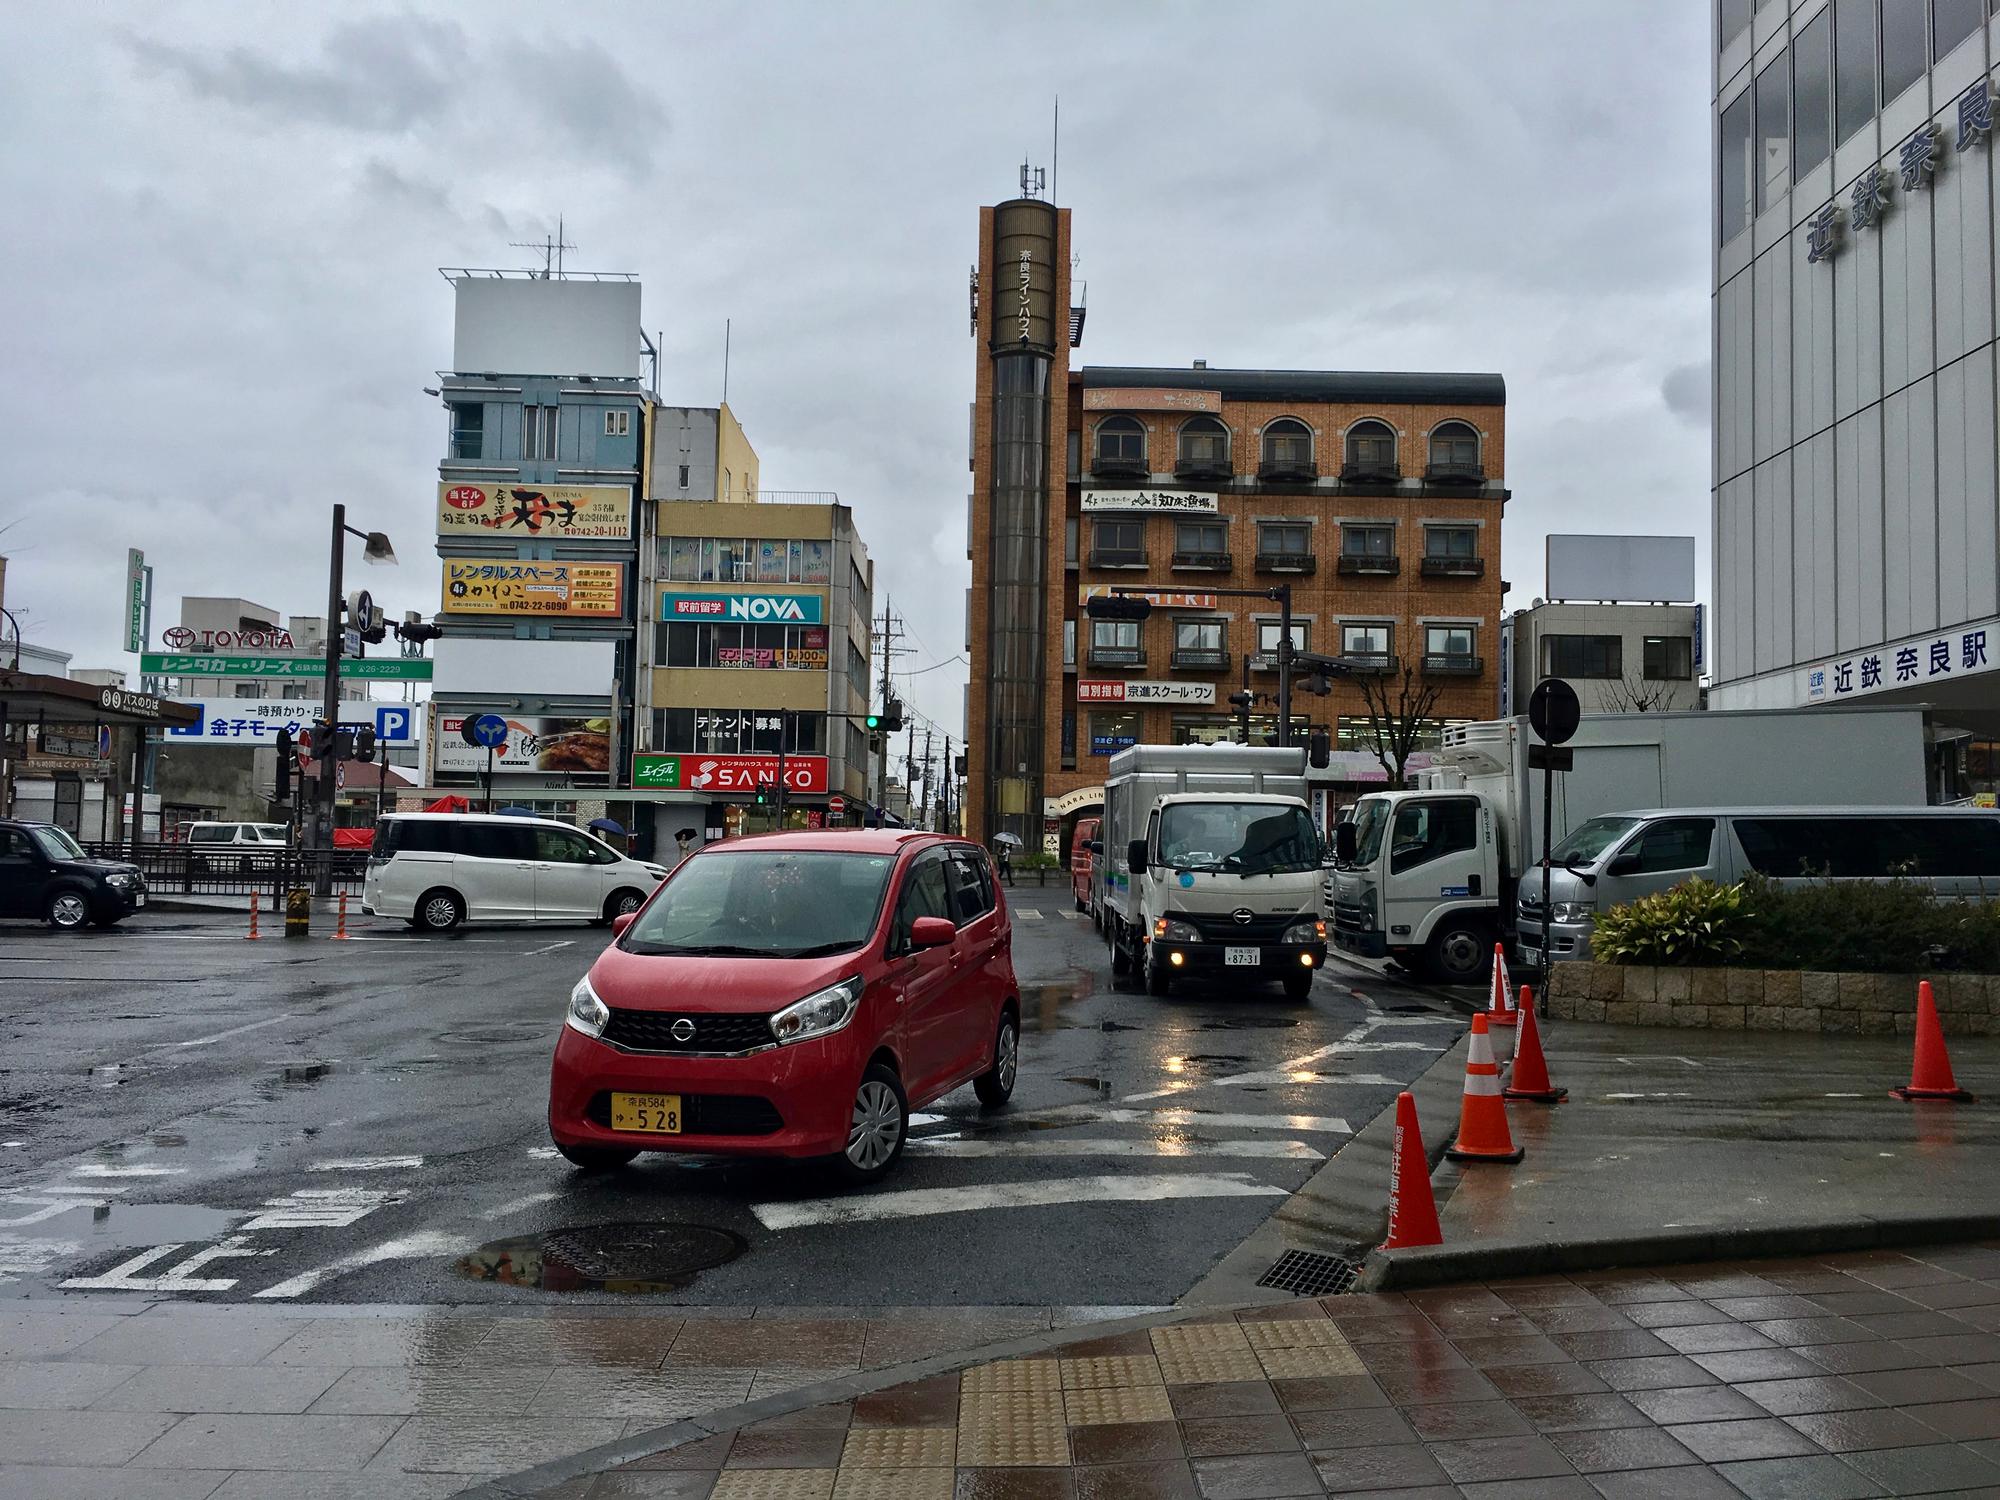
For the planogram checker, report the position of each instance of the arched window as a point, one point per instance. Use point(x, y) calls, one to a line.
point(1371, 451)
point(1456, 444)
point(1204, 447)
point(1288, 449)
point(1121, 446)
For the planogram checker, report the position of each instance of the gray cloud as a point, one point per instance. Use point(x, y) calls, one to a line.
point(1686, 392)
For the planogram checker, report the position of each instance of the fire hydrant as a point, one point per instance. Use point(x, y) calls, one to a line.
point(298, 912)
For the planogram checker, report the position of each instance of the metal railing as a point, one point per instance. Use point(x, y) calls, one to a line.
point(1454, 567)
point(796, 497)
point(234, 869)
point(1368, 565)
point(1287, 562)
point(1452, 664)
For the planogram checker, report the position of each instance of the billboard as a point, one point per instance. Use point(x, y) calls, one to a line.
point(1158, 598)
point(194, 664)
point(1140, 690)
point(482, 586)
point(519, 325)
point(554, 512)
point(1178, 502)
point(1150, 398)
point(259, 721)
point(749, 609)
point(723, 775)
point(577, 747)
point(1621, 569)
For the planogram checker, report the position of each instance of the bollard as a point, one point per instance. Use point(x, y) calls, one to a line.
point(298, 912)
point(340, 927)
point(254, 934)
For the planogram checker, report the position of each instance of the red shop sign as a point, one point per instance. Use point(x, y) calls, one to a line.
point(745, 773)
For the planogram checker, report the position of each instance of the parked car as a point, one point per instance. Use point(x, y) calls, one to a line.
point(45, 873)
point(1079, 861)
point(438, 870)
point(227, 846)
point(794, 995)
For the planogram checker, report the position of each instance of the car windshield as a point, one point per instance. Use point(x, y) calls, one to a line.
point(1371, 821)
point(1239, 838)
point(1586, 845)
point(57, 844)
point(764, 903)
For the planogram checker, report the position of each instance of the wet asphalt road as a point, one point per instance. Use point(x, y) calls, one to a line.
point(185, 1113)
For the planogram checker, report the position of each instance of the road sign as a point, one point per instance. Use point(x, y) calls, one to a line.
point(1553, 711)
point(350, 642)
point(202, 664)
point(485, 731)
point(836, 806)
point(135, 599)
point(1551, 758)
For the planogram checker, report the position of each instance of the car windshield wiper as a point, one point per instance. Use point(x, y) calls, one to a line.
point(820, 950)
point(701, 950)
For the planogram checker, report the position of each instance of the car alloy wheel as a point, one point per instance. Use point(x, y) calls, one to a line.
point(877, 1127)
point(1009, 1058)
point(68, 910)
point(440, 913)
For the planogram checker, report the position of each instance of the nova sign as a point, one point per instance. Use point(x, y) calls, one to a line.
point(759, 609)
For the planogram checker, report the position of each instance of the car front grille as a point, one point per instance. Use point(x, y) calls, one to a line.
point(709, 1114)
point(653, 1031)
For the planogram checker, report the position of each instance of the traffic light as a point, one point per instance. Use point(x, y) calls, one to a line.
point(1319, 749)
point(889, 720)
point(282, 791)
point(414, 628)
point(321, 741)
point(1119, 607)
point(763, 793)
point(364, 742)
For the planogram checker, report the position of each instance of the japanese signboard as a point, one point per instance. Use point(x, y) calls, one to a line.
point(555, 511)
point(749, 609)
point(258, 721)
point(1158, 598)
point(577, 747)
point(135, 599)
point(480, 586)
point(1126, 398)
point(1201, 502)
point(1919, 158)
point(1137, 690)
point(175, 664)
point(186, 638)
point(723, 775)
point(1960, 652)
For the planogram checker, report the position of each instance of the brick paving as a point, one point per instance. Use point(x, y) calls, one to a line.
point(1874, 1373)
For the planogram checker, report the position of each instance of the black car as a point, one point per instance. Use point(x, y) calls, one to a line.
point(45, 873)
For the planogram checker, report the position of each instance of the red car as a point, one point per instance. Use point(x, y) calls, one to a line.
point(794, 995)
point(1081, 868)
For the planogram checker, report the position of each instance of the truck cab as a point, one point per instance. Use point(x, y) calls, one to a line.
point(1416, 879)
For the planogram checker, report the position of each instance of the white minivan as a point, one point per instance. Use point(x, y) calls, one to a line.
point(438, 870)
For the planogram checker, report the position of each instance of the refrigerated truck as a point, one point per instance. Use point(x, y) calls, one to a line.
point(1433, 872)
point(1209, 864)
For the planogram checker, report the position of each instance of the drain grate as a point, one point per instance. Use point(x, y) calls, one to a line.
point(605, 1257)
point(1304, 1274)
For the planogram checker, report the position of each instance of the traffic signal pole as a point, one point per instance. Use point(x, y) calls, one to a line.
point(324, 774)
point(1138, 607)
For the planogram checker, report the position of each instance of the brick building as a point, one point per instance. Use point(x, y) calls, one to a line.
point(1376, 496)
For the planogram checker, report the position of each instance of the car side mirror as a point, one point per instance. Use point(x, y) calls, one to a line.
point(1584, 875)
point(1624, 864)
point(932, 932)
point(622, 921)
point(1095, 846)
point(1135, 856)
point(1343, 843)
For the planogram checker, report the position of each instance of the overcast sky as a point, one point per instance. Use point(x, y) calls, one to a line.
point(224, 224)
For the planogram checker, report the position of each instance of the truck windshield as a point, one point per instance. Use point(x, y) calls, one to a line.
point(1371, 821)
point(1238, 838)
point(1585, 845)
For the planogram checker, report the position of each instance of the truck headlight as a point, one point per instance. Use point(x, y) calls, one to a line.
point(1575, 911)
point(587, 1013)
point(819, 1014)
point(1165, 931)
point(1306, 932)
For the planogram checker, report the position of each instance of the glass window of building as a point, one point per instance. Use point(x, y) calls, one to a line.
point(1119, 539)
point(1069, 643)
point(773, 561)
point(1371, 638)
point(1204, 440)
point(1735, 16)
point(1121, 438)
point(1774, 133)
point(812, 562)
point(1288, 441)
point(1451, 541)
point(1114, 635)
point(1735, 176)
point(1669, 658)
point(468, 429)
point(1853, 67)
point(1198, 635)
point(1371, 445)
point(1113, 730)
point(1448, 640)
point(1812, 95)
point(1206, 537)
point(1952, 21)
point(1905, 52)
point(1368, 541)
point(1270, 632)
point(1284, 538)
point(1455, 443)
point(538, 433)
point(1582, 656)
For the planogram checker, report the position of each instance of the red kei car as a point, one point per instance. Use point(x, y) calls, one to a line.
point(793, 995)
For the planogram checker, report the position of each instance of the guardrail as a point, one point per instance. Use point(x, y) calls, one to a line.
point(234, 869)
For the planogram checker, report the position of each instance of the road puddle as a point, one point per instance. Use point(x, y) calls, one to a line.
point(97, 1226)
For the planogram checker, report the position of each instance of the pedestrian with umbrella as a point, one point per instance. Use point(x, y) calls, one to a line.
point(1006, 844)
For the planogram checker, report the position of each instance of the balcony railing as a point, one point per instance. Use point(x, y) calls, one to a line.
point(1375, 663)
point(1452, 664)
point(1203, 562)
point(1454, 567)
point(1277, 467)
point(1200, 466)
point(1454, 474)
point(468, 443)
point(1200, 658)
point(1117, 557)
point(1367, 565)
point(1117, 466)
point(1287, 562)
point(1370, 471)
point(1117, 656)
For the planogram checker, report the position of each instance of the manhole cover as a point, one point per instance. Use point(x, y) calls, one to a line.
point(1305, 1274)
point(605, 1257)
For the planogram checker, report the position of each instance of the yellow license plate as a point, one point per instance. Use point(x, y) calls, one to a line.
point(655, 1114)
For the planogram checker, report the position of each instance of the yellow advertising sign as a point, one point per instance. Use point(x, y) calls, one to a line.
point(489, 586)
point(601, 511)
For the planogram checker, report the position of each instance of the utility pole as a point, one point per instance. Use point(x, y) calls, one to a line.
point(928, 774)
point(945, 825)
point(910, 769)
point(886, 631)
point(325, 767)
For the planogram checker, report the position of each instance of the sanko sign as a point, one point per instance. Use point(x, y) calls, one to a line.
point(752, 609)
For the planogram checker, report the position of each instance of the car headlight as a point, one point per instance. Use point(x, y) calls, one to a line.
point(121, 879)
point(587, 1013)
point(819, 1014)
point(1306, 932)
point(1165, 931)
point(1575, 911)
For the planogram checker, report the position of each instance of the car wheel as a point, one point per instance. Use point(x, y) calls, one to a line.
point(879, 1125)
point(439, 911)
point(1459, 953)
point(1299, 986)
point(596, 1158)
point(996, 1085)
point(1157, 981)
point(67, 910)
point(623, 901)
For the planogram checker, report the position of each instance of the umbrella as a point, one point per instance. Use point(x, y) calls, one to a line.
point(1012, 840)
point(608, 825)
point(517, 812)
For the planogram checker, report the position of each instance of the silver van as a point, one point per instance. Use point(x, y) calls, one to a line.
point(1622, 856)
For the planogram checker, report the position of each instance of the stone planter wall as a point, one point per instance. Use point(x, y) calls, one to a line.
point(1771, 999)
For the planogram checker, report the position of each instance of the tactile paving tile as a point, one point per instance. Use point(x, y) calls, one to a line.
point(1098, 1370)
point(1295, 1333)
point(1205, 1352)
point(1013, 1428)
point(773, 1484)
point(1291, 1364)
point(893, 1484)
point(899, 1448)
point(1122, 1403)
point(1011, 1375)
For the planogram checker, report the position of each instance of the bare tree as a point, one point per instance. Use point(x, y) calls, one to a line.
point(1633, 695)
point(1400, 709)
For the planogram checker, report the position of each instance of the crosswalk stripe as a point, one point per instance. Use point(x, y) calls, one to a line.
point(912, 1203)
point(958, 1146)
point(1028, 913)
point(1193, 1118)
point(368, 1164)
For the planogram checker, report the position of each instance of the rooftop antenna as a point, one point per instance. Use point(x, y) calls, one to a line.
point(725, 361)
point(1033, 180)
point(552, 250)
point(1055, 153)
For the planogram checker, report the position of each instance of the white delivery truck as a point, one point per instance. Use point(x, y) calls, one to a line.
point(1428, 877)
point(1209, 864)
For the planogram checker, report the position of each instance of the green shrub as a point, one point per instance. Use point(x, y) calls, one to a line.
point(1696, 923)
point(1035, 861)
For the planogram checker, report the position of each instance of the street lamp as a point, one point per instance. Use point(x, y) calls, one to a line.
point(17, 636)
point(375, 548)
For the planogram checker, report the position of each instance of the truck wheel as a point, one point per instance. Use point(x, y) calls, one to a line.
point(1158, 983)
point(1299, 986)
point(1121, 961)
point(1459, 952)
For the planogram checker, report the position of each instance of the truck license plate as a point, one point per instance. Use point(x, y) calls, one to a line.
point(1241, 958)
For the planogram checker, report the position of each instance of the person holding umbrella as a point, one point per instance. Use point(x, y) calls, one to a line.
point(1006, 844)
point(684, 844)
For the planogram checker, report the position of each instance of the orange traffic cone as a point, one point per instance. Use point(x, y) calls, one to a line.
point(1500, 1008)
point(1930, 1070)
point(1413, 1214)
point(1530, 1078)
point(1482, 1117)
point(253, 934)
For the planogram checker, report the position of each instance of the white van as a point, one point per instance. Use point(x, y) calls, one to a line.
point(437, 870)
point(218, 846)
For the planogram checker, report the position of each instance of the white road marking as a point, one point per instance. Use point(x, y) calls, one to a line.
point(1676, 1057)
point(926, 1119)
point(86, 1192)
point(1047, 1146)
point(543, 1153)
point(1649, 1096)
point(537, 952)
point(1027, 913)
point(923, 1202)
point(48, 1210)
point(125, 1277)
point(515, 1205)
point(320, 1208)
point(22, 1255)
point(1843, 1096)
point(223, 1036)
point(97, 1169)
point(367, 1164)
point(1216, 1119)
point(410, 1247)
point(1354, 1041)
